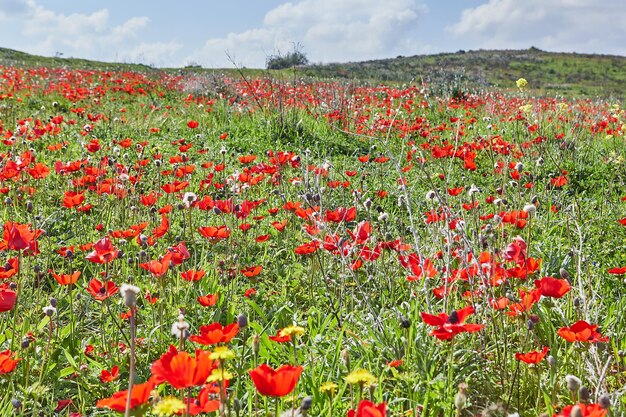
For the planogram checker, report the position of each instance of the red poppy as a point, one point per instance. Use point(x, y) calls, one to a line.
point(553, 287)
point(192, 275)
point(527, 300)
point(62, 405)
point(252, 271)
point(192, 124)
point(7, 298)
point(73, 199)
point(455, 191)
point(533, 357)
point(181, 370)
point(205, 402)
point(559, 181)
point(110, 376)
point(280, 226)
point(451, 325)
point(215, 333)
point(214, 233)
point(262, 238)
point(157, 267)
point(175, 186)
point(307, 248)
point(208, 300)
point(581, 331)
point(367, 408)
point(617, 271)
point(10, 269)
point(516, 250)
point(140, 395)
point(179, 253)
point(104, 251)
point(8, 362)
point(65, 279)
point(587, 410)
point(341, 214)
point(275, 383)
point(249, 292)
point(19, 236)
point(101, 291)
point(279, 337)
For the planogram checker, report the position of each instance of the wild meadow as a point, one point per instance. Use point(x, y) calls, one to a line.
point(189, 244)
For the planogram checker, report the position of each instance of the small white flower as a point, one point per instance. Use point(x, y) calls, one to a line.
point(129, 294)
point(473, 190)
point(530, 209)
point(189, 198)
point(49, 311)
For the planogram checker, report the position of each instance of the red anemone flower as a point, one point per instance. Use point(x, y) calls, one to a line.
point(587, 410)
point(140, 394)
point(104, 251)
point(215, 333)
point(553, 287)
point(205, 402)
point(101, 291)
point(65, 279)
point(110, 376)
point(158, 267)
point(10, 269)
point(19, 236)
point(451, 325)
point(581, 331)
point(208, 300)
point(7, 362)
point(7, 298)
point(275, 383)
point(533, 357)
point(192, 275)
point(367, 408)
point(181, 370)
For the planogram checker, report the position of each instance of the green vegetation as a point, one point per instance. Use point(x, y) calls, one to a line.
point(550, 73)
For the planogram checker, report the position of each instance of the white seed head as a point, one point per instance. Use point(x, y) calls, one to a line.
point(129, 294)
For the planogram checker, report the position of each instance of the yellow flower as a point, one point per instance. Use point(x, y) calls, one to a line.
point(521, 83)
point(328, 388)
point(526, 108)
point(168, 406)
point(221, 352)
point(292, 331)
point(219, 374)
point(360, 376)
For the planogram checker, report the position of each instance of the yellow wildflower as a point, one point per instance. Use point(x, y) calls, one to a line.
point(328, 388)
point(220, 374)
point(221, 352)
point(521, 84)
point(292, 331)
point(168, 406)
point(360, 376)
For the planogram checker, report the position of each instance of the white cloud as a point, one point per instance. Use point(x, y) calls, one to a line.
point(556, 25)
point(329, 30)
point(155, 53)
point(10, 8)
point(85, 35)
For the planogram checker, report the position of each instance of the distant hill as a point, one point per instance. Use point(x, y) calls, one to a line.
point(548, 73)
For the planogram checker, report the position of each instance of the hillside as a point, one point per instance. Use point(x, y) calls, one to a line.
point(548, 73)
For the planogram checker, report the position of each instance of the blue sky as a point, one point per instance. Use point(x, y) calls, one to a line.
point(177, 33)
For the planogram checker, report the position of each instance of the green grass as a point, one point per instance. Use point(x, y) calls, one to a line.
point(355, 305)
